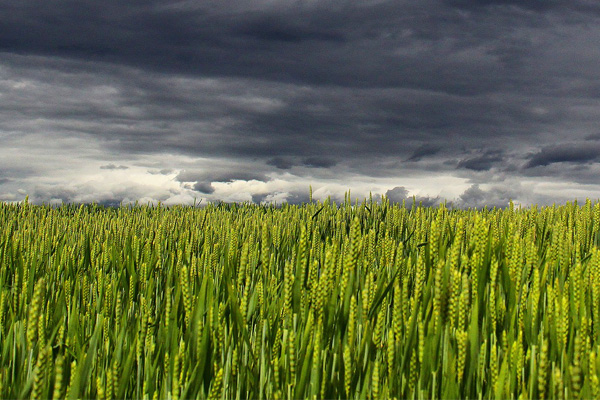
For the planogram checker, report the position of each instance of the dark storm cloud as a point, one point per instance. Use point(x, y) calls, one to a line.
point(568, 152)
point(527, 4)
point(261, 90)
point(272, 28)
point(310, 162)
point(593, 137)
point(318, 162)
point(425, 150)
point(482, 162)
point(217, 38)
point(281, 163)
point(386, 44)
point(378, 79)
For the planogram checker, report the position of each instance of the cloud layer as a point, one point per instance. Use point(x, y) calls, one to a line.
point(477, 102)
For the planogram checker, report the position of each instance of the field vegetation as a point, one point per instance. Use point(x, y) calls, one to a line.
point(354, 300)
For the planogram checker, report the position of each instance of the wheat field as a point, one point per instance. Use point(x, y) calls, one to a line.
point(322, 300)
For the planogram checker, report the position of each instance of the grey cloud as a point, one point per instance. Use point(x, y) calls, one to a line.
point(319, 162)
point(64, 194)
point(5, 180)
point(397, 194)
point(321, 43)
point(475, 197)
point(163, 171)
point(482, 162)
point(298, 197)
point(500, 195)
point(204, 187)
point(292, 197)
point(310, 162)
point(400, 194)
point(281, 123)
point(568, 172)
point(425, 150)
point(89, 192)
point(258, 198)
point(566, 152)
point(593, 137)
point(281, 163)
point(539, 5)
point(273, 28)
point(113, 166)
point(299, 90)
point(110, 202)
point(226, 176)
point(203, 180)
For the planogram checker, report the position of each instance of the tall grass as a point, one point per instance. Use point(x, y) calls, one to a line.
point(369, 300)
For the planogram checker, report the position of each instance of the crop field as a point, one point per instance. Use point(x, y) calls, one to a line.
point(323, 300)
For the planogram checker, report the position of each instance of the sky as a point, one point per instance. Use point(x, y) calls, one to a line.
point(475, 102)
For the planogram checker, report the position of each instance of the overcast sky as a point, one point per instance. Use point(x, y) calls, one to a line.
point(473, 101)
